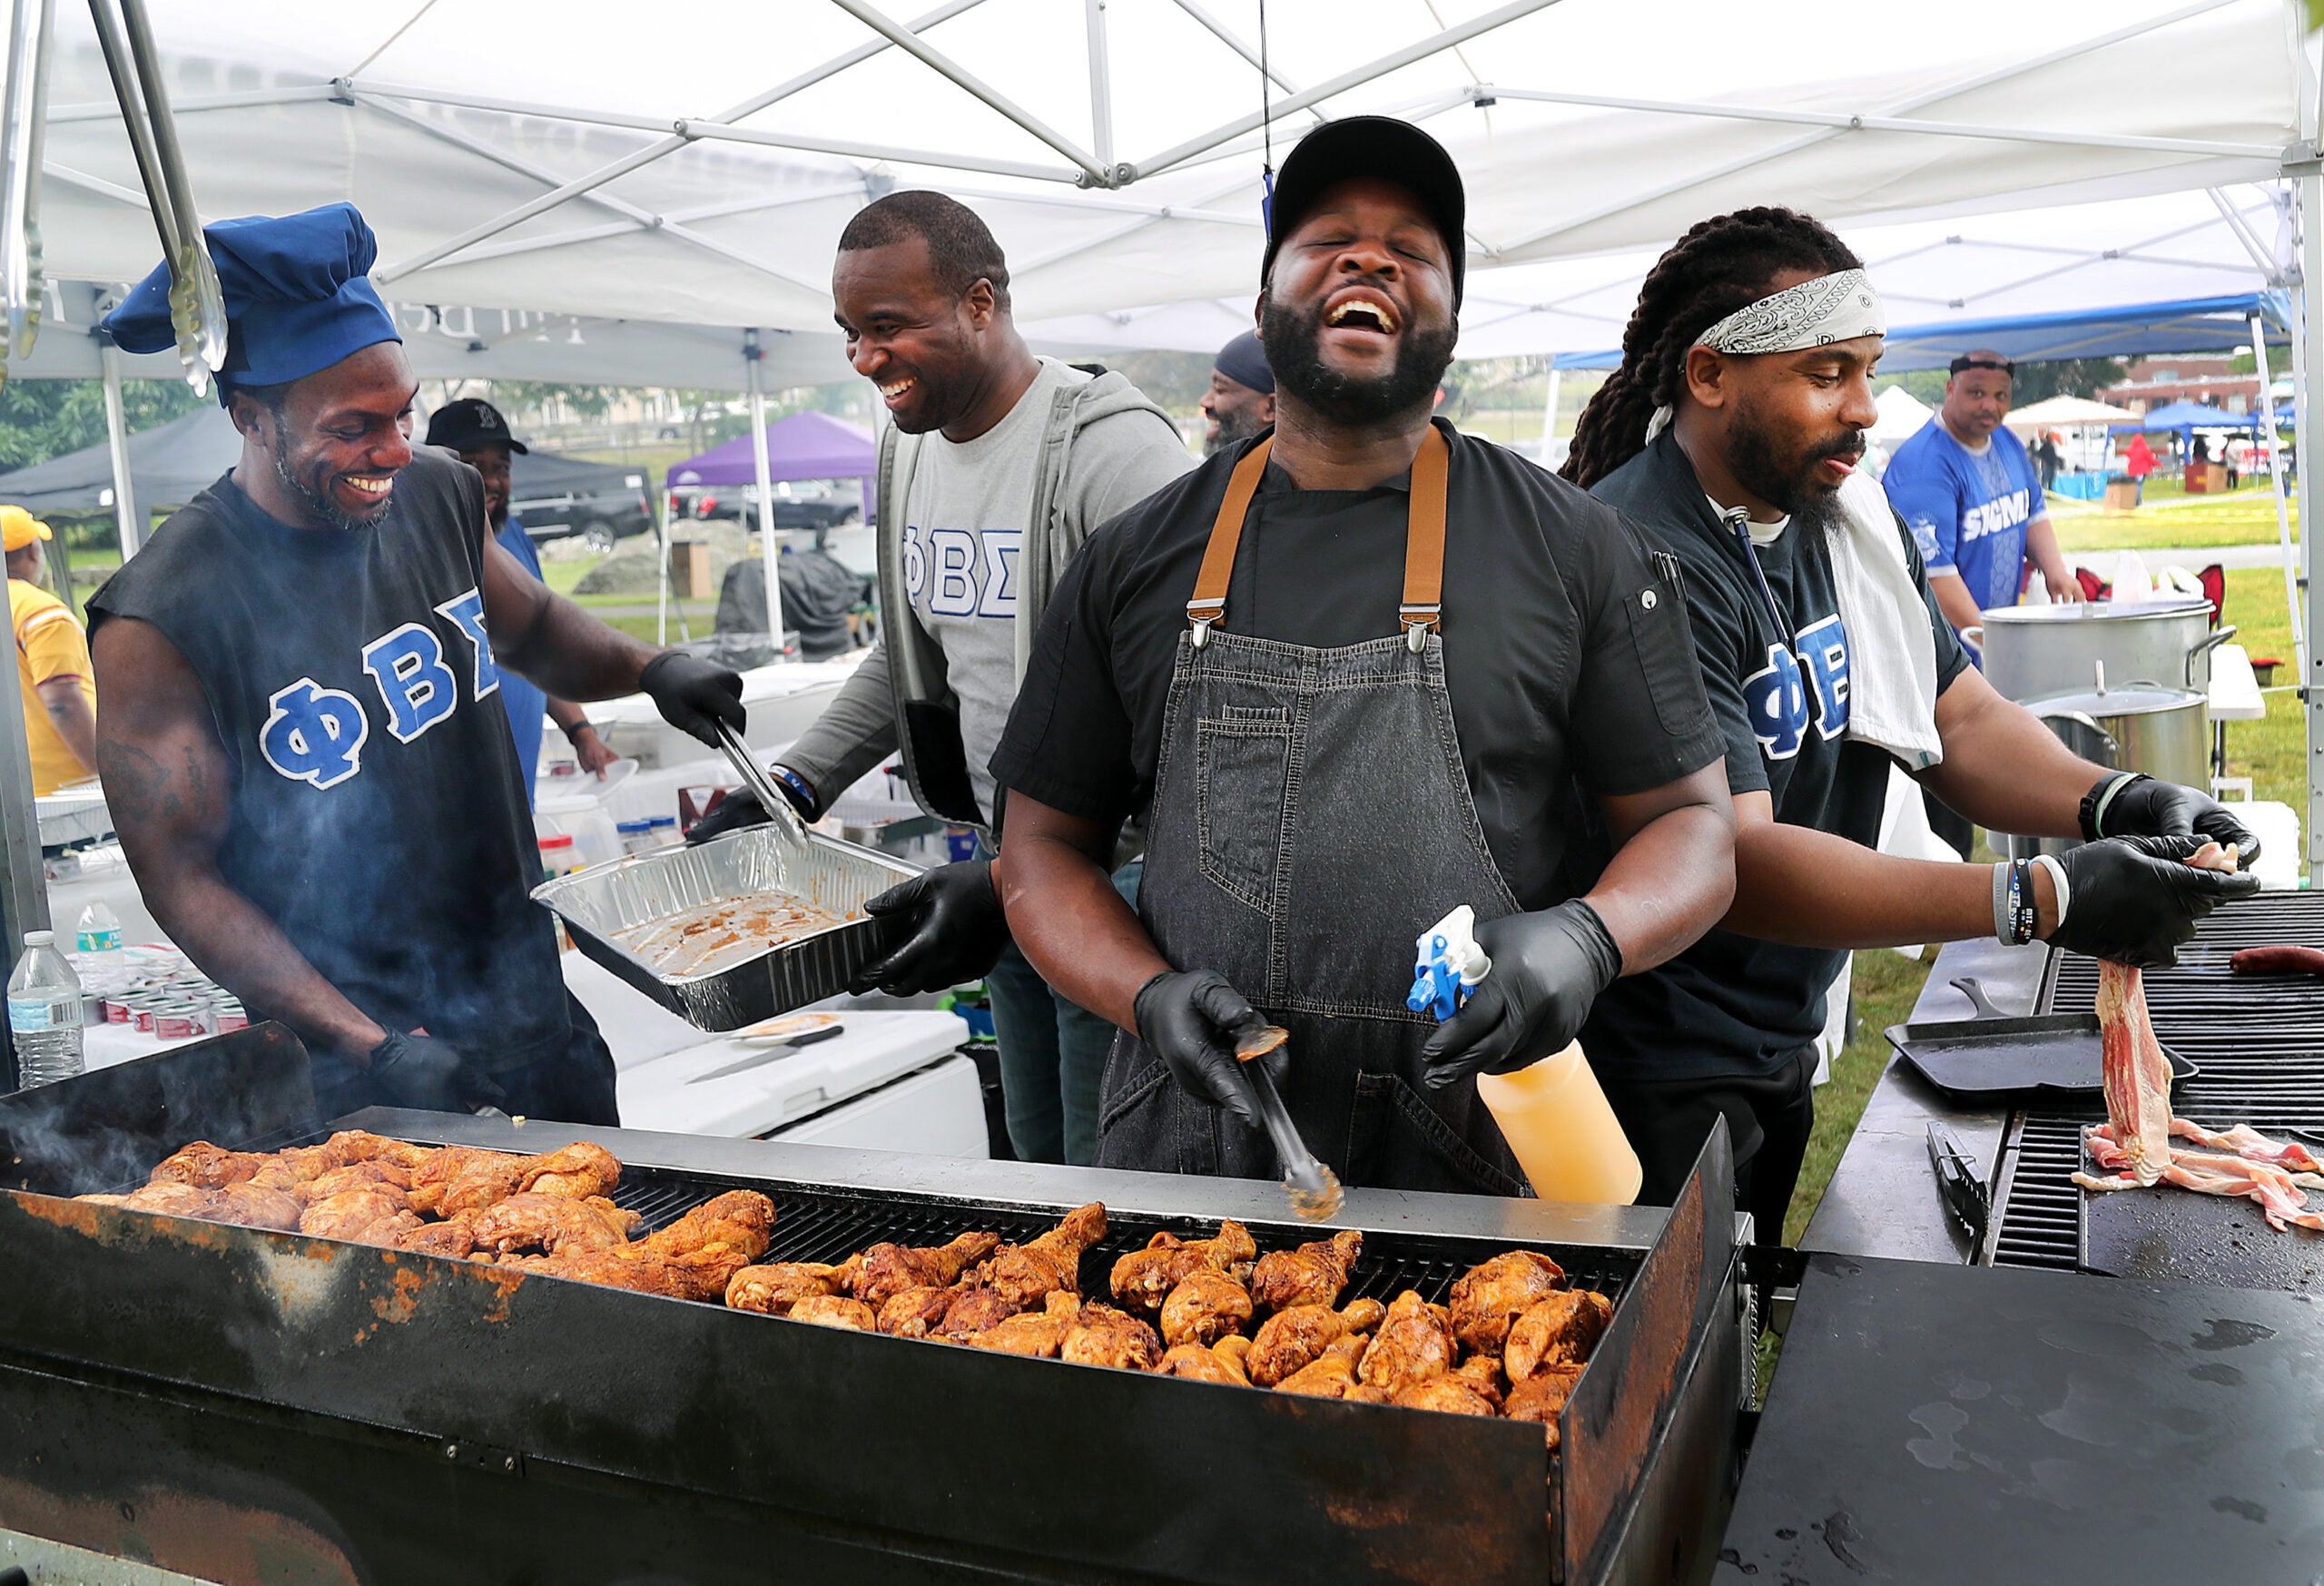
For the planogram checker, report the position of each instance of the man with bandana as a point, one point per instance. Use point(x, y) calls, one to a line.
point(1352, 674)
point(302, 746)
point(1240, 404)
point(1734, 425)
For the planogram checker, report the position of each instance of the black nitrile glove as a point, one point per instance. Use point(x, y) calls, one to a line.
point(958, 930)
point(694, 695)
point(435, 1076)
point(2144, 807)
point(1548, 968)
point(741, 808)
point(2137, 901)
point(1190, 1019)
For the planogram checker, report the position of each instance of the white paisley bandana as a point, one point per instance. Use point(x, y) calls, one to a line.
point(1838, 306)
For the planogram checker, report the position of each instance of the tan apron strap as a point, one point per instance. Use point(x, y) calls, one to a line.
point(1425, 541)
point(1208, 606)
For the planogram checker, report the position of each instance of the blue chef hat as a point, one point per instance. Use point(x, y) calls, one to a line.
point(297, 299)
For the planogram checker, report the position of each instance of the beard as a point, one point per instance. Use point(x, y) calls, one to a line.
point(1295, 337)
point(328, 512)
point(1235, 428)
point(1784, 476)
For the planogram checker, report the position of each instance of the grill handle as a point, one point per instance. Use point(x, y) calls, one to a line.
point(1974, 988)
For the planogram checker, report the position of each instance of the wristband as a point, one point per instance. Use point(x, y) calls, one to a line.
point(573, 733)
point(2001, 903)
point(2102, 793)
point(2022, 917)
point(2049, 861)
point(796, 788)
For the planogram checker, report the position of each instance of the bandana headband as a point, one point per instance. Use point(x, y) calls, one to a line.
point(1838, 306)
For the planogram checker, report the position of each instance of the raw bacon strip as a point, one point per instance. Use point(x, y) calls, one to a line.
point(2279, 1197)
point(2137, 1075)
point(2251, 1145)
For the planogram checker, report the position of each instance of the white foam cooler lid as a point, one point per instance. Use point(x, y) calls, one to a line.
point(875, 1048)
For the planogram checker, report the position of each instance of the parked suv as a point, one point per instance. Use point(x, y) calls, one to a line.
point(798, 504)
point(554, 498)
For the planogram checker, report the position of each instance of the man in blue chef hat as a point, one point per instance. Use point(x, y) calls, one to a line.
point(300, 747)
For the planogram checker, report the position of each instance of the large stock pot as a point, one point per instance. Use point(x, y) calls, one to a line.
point(2034, 652)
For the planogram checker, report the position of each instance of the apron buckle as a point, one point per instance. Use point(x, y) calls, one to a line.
point(1419, 622)
point(1202, 612)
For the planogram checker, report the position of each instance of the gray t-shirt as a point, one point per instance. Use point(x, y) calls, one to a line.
point(969, 503)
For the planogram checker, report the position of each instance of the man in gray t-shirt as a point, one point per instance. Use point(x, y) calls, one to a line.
point(1001, 464)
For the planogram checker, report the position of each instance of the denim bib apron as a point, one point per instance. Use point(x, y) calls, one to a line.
point(1311, 818)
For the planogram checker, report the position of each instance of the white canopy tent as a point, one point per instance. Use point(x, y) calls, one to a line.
point(2170, 247)
point(655, 167)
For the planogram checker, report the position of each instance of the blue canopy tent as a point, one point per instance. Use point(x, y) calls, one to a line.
point(2220, 324)
point(2184, 418)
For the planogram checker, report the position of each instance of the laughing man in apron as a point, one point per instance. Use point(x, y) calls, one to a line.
point(1354, 669)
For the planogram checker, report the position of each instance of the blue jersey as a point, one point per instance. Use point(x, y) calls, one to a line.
point(1969, 513)
point(525, 702)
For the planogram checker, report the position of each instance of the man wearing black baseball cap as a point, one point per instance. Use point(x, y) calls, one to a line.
point(474, 429)
point(1240, 404)
point(1355, 673)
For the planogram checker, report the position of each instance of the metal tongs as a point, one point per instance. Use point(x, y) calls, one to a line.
point(1314, 1189)
point(197, 308)
point(779, 812)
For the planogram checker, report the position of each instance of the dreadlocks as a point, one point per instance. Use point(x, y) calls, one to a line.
point(1722, 264)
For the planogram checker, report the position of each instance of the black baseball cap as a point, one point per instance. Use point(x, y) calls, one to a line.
point(1379, 146)
point(471, 422)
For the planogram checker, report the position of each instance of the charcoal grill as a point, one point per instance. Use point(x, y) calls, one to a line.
point(2257, 1040)
point(243, 1404)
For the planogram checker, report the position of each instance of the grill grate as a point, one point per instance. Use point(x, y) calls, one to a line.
point(2258, 1043)
point(829, 1225)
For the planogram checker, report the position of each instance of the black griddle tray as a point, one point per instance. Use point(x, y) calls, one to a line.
point(2041, 1054)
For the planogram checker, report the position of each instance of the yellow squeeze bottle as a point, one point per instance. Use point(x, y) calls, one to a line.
point(1556, 1119)
point(1563, 1132)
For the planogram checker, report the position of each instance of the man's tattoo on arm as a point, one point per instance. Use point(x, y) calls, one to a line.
point(136, 784)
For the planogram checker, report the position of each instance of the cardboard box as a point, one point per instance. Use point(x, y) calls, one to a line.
point(2122, 496)
point(690, 569)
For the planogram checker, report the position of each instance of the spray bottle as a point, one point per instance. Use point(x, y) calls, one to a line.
point(1556, 1119)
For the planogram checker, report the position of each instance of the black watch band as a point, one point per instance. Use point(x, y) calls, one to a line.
point(573, 733)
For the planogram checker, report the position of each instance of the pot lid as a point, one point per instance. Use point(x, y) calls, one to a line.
point(2175, 606)
point(2136, 700)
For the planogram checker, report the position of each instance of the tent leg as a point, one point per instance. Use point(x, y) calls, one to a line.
point(768, 546)
point(662, 578)
point(1550, 412)
point(2283, 514)
point(124, 490)
point(2311, 452)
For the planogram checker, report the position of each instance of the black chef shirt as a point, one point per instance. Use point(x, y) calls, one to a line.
point(1734, 1004)
point(1558, 664)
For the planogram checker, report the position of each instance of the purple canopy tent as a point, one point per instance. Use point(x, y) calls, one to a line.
point(805, 445)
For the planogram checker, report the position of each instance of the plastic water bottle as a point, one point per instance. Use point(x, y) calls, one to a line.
point(44, 1012)
point(99, 932)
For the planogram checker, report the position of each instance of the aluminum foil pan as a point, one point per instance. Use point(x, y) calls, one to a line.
point(597, 904)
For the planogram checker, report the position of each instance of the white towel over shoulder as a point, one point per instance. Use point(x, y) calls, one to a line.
point(1892, 653)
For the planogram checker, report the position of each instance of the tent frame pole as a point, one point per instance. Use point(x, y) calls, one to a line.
point(770, 544)
point(662, 581)
point(2283, 512)
point(1101, 85)
point(124, 486)
point(2311, 449)
point(1550, 412)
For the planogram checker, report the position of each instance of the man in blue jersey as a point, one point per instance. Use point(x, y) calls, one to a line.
point(474, 429)
point(1973, 498)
